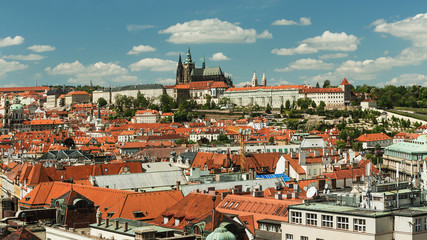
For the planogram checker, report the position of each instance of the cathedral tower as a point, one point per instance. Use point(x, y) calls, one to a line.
point(254, 80)
point(189, 65)
point(264, 80)
point(179, 69)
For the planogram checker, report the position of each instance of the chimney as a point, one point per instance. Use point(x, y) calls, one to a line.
point(295, 195)
point(125, 226)
point(178, 185)
point(302, 158)
point(116, 224)
point(107, 222)
point(98, 218)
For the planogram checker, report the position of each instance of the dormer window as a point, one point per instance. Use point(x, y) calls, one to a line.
point(177, 221)
point(165, 220)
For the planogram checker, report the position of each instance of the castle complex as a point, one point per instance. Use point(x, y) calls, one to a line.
point(187, 72)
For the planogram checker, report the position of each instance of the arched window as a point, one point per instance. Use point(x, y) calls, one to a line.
point(197, 230)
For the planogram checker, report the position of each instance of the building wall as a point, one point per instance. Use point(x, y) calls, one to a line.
point(60, 234)
point(331, 99)
point(262, 97)
point(376, 228)
point(151, 94)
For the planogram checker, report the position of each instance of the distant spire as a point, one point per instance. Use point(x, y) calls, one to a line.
point(179, 60)
point(264, 80)
point(254, 80)
point(188, 60)
point(203, 63)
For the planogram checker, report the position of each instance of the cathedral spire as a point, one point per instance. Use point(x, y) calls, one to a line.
point(203, 63)
point(264, 80)
point(254, 80)
point(188, 60)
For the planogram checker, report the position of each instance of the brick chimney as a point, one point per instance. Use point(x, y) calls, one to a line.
point(116, 224)
point(125, 226)
point(107, 222)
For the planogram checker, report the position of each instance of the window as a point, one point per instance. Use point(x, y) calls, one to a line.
point(304, 238)
point(138, 214)
point(418, 225)
point(296, 217)
point(425, 223)
point(237, 204)
point(359, 225)
point(311, 219)
point(165, 220)
point(342, 223)
point(225, 204)
point(327, 221)
point(289, 237)
point(231, 204)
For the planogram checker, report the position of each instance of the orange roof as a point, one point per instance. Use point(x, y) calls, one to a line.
point(78, 93)
point(373, 137)
point(345, 82)
point(258, 207)
point(182, 86)
point(321, 90)
point(23, 89)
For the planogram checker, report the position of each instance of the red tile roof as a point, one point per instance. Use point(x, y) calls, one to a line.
point(321, 90)
point(373, 137)
point(345, 82)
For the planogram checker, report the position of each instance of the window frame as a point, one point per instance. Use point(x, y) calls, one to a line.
point(311, 219)
point(296, 217)
point(359, 225)
point(343, 225)
point(328, 221)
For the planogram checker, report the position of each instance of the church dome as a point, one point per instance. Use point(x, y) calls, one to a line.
point(17, 106)
point(221, 234)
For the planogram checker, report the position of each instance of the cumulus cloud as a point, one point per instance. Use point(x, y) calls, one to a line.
point(153, 64)
point(306, 64)
point(409, 79)
point(219, 56)
point(9, 41)
point(333, 55)
point(11, 66)
point(283, 22)
point(328, 41)
point(136, 27)
point(166, 81)
point(29, 57)
point(141, 49)
point(411, 28)
point(211, 31)
point(100, 72)
point(41, 48)
point(242, 84)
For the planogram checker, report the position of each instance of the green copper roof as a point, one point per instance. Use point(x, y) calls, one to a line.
point(221, 234)
point(419, 145)
point(211, 71)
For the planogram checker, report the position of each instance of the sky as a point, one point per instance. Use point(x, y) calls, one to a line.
point(116, 43)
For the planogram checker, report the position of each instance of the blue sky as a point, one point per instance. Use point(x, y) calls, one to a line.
point(117, 43)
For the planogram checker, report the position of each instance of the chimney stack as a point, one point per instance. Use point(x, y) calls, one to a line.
point(125, 226)
point(107, 222)
point(116, 224)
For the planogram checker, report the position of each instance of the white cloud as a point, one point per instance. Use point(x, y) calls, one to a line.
point(283, 22)
point(141, 49)
point(328, 41)
point(66, 68)
point(153, 64)
point(306, 64)
point(99, 72)
point(219, 56)
point(412, 28)
point(211, 31)
point(242, 84)
point(301, 49)
point(135, 27)
point(29, 57)
point(279, 81)
point(166, 81)
point(41, 48)
point(333, 55)
point(12, 66)
point(409, 79)
point(8, 41)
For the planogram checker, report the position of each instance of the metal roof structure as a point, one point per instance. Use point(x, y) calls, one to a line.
point(265, 183)
point(140, 180)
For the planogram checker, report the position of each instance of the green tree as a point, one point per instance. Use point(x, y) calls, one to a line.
point(268, 108)
point(288, 104)
point(271, 140)
point(166, 102)
point(326, 83)
point(102, 102)
point(223, 138)
point(282, 109)
point(340, 144)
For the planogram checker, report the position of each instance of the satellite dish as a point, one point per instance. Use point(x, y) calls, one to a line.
point(311, 192)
